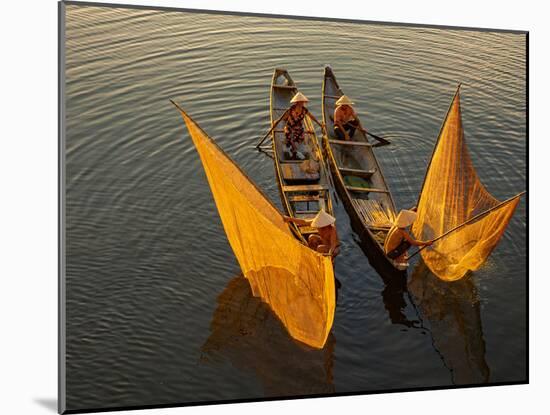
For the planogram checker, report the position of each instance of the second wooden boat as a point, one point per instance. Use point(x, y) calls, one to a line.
point(359, 180)
point(303, 184)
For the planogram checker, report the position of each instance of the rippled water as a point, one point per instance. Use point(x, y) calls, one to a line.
point(156, 310)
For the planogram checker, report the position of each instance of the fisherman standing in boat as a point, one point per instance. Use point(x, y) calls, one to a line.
point(399, 240)
point(326, 240)
point(294, 128)
point(345, 119)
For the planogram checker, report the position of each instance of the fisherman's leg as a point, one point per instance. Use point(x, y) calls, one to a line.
point(339, 133)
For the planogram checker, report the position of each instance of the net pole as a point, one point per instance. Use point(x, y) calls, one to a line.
point(437, 142)
point(471, 220)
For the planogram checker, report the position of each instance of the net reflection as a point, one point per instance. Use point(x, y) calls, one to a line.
point(453, 313)
point(245, 332)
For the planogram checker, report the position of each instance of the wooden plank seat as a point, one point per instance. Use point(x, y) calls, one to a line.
point(366, 174)
point(298, 171)
point(305, 188)
point(307, 212)
point(365, 189)
point(304, 198)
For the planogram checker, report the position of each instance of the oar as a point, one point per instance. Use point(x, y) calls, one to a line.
point(271, 129)
point(380, 139)
point(469, 221)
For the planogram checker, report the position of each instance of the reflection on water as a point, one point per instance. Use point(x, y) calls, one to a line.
point(246, 332)
point(452, 310)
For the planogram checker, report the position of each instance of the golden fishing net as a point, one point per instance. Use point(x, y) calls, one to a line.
point(296, 282)
point(453, 194)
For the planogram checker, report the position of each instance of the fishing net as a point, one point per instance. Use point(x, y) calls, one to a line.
point(295, 281)
point(453, 194)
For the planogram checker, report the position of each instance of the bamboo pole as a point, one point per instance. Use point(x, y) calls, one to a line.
point(271, 129)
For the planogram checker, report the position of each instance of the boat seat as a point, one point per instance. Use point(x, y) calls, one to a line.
point(305, 188)
point(299, 171)
point(365, 189)
point(366, 174)
point(303, 198)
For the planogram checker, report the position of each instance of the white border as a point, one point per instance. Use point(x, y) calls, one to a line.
point(29, 202)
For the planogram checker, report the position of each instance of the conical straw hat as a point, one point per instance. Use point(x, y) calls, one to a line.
point(344, 100)
point(405, 218)
point(299, 97)
point(322, 219)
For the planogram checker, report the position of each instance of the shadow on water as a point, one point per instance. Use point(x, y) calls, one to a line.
point(48, 403)
point(245, 332)
point(453, 312)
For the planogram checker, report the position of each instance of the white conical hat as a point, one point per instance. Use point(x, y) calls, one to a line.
point(344, 100)
point(405, 218)
point(322, 219)
point(299, 97)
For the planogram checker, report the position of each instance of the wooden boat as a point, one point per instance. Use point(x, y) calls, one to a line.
point(359, 181)
point(303, 184)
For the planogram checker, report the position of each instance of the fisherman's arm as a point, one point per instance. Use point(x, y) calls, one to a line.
point(314, 119)
point(414, 241)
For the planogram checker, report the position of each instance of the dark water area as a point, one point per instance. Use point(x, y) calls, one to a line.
point(157, 311)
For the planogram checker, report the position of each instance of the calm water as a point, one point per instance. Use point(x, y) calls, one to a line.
point(157, 310)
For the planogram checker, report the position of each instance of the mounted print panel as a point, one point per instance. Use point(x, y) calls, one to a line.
point(256, 207)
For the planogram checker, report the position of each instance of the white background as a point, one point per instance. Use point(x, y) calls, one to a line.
point(28, 203)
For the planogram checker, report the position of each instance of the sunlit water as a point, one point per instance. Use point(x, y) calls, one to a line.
point(156, 310)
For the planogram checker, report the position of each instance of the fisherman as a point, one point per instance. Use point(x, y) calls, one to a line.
point(326, 240)
point(399, 240)
point(345, 119)
point(294, 128)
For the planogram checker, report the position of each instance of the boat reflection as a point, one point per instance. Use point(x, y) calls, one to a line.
point(394, 293)
point(245, 331)
point(452, 311)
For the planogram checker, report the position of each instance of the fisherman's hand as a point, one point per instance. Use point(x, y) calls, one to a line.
point(287, 219)
point(429, 243)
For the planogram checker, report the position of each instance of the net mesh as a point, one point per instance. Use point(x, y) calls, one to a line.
point(295, 281)
point(453, 194)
